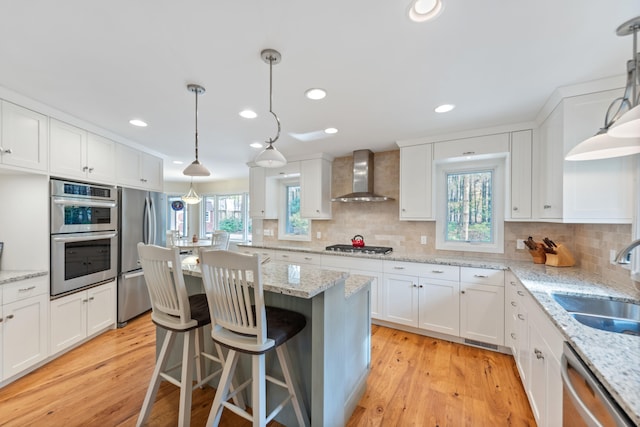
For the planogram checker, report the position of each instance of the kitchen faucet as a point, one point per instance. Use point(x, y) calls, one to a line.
point(623, 255)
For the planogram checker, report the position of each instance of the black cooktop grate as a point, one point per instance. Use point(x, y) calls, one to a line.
point(363, 249)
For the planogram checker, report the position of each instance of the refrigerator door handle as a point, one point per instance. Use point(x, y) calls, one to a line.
point(145, 222)
point(132, 275)
point(153, 222)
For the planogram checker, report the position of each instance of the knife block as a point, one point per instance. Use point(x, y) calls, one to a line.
point(539, 256)
point(562, 257)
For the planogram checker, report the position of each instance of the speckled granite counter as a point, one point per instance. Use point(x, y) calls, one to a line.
point(613, 358)
point(10, 276)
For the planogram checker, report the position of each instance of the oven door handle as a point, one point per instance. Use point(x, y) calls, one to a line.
point(76, 202)
point(92, 236)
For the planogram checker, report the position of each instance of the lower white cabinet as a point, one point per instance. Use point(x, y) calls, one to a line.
point(83, 314)
point(401, 298)
point(305, 258)
point(23, 330)
point(482, 305)
point(439, 306)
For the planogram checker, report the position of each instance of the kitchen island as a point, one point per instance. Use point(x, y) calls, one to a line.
point(331, 356)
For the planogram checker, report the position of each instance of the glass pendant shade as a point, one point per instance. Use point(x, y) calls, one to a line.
point(603, 146)
point(196, 169)
point(627, 126)
point(191, 198)
point(270, 158)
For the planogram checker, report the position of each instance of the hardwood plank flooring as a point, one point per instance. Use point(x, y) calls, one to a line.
point(414, 380)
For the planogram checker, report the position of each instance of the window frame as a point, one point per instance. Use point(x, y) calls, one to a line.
point(170, 212)
point(498, 165)
point(246, 226)
point(282, 212)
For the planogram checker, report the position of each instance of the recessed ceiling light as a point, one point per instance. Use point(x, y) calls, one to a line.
point(315, 93)
point(178, 162)
point(444, 108)
point(424, 10)
point(248, 114)
point(330, 131)
point(138, 122)
point(256, 145)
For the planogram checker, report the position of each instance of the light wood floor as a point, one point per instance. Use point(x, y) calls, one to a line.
point(414, 380)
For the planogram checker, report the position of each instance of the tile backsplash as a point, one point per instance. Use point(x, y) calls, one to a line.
point(379, 224)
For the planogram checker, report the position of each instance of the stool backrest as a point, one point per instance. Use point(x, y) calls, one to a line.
point(165, 283)
point(233, 284)
point(220, 240)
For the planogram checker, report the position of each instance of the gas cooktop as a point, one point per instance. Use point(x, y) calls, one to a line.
point(362, 250)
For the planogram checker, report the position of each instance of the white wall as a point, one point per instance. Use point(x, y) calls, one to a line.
point(24, 221)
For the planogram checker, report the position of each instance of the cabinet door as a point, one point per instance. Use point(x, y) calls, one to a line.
point(24, 341)
point(550, 167)
point(128, 166)
point(416, 182)
point(68, 321)
point(482, 313)
point(536, 387)
point(377, 302)
point(151, 175)
point(101, 160)
point(440, 306)
point(521, 158)
point(256, 192)
point(315, 189)
point(401, 299)
point(101, 308)
point(477, 145)
point(68, 150)
point(25, 138)
point(523, 359)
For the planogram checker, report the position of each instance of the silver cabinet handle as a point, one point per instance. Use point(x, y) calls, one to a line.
point(398, 268)
point(143, 180)
point(437, 271)
point(538, 354)
point(285, 256)
point(520, 293)
point(513, 335)
point(308, 258)
point(7, 151)
point(520, 316)
point(91, 298)
point(462, 292)
point(30, 288)
point(512, 283)
point(515, 208)
point(91, 170)
point(547, 206)
point(513, 303)
point(84, 168)
point(85, 300)
point(481, 276)
point(10, 316)
point(468, 153)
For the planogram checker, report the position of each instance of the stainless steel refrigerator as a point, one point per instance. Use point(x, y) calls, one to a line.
point(142, 218)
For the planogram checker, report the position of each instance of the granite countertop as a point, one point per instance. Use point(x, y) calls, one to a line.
point(612, 357)
point(303, 281)
point(10, 276)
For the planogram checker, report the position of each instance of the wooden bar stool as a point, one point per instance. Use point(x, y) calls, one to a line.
point(178, 313)
point(241, 322)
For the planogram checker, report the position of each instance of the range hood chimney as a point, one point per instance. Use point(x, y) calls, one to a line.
point(362, 180)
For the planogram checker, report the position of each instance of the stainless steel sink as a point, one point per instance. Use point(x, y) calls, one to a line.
point(600, 313)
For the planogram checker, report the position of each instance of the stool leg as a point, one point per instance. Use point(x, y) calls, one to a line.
point(223, 388)
point(161, 363)
point(296, 397)
point(199, 358)
point(258, 390)
point(186, 379)
point(238, 400)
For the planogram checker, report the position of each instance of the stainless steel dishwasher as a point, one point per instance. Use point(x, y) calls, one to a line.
point(585, 402)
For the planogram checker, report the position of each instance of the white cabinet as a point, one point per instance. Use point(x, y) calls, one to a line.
point(75, 153)
point(138, 169)
point(474, 146)
point(365, 267)
point(401, 299)
point(315, 189)
point(580, 192)
point(482, 305)
point(439, 306)
point(24, 139)
point(416, 183)
point(263, 195)
point(293, 257)
point(25, 313)
point(521, 163)
point(264, 253)
point(83, 314)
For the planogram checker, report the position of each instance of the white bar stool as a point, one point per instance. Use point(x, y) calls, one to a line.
point(178, 313)
point(241, 322)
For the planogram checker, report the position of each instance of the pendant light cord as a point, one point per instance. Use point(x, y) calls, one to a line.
point(196, 92)
point(272, 140)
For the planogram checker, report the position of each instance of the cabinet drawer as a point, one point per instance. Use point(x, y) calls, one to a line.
point(350, 263)
point(297, 257)
point(484, 276)
point(25, 289)
point(401, 267)
point(441, 272)
point(264, 253)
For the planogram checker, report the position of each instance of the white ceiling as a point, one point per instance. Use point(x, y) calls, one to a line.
point(110, 61)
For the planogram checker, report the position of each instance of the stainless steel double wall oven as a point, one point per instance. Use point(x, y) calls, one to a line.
point(84, 237)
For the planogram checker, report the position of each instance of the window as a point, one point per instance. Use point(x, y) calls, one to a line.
point(291, 226)
point(177, 217)
point(470, 216)
point(226, 212)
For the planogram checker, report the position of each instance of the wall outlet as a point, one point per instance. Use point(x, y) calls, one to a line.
point(319, 235)
point(520, 244)
point(612, 256)
point(423, 240)
point(268, 232)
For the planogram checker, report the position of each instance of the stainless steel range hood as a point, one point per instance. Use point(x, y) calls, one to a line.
point(362, 180)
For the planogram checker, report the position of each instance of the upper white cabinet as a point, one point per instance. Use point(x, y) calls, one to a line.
point(315, 189)
point(596, 191)
point(416, 183)
point(75, 153)
point(521, 162)
point(263, 195)
point(138, 169)
point(474, 146)
point(25, 138)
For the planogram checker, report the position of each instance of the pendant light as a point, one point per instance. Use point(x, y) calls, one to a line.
point(270, 156)
point(191, 198)
point(620, 135)
point(196, 168)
